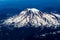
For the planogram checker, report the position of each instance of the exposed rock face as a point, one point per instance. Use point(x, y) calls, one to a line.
point(33, 17)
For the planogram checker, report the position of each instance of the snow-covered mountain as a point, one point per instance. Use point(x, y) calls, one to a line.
point(34, 18)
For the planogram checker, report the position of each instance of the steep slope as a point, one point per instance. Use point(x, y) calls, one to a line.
point(33, 17)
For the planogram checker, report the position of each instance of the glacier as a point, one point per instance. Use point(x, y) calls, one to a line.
point(34, 18)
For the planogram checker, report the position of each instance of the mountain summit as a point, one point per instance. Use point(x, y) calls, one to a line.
point(33, 17)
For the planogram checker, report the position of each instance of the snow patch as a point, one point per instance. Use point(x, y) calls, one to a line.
point(34, 17)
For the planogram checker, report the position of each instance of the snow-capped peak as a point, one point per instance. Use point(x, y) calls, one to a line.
point(33, 9)
point(33, 17)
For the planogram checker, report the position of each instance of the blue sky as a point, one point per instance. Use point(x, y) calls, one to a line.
point(29, 3)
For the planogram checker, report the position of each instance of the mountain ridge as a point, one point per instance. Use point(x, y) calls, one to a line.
point(34, 17)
